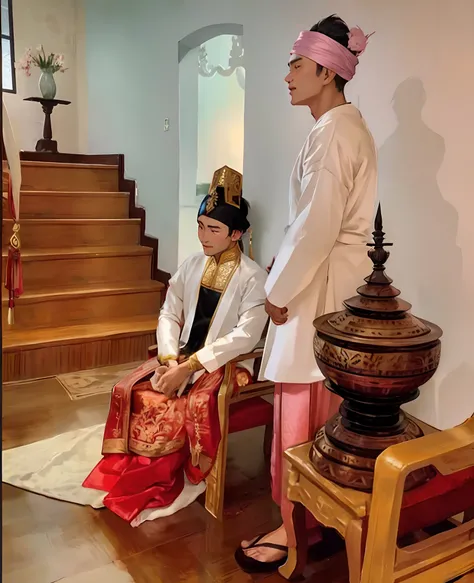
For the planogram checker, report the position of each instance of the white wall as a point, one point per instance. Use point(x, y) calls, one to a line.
point(220, 115)
point(56, 25)
point(426, 156)
point(188, 241)
point(132, 64)
point(211, 132)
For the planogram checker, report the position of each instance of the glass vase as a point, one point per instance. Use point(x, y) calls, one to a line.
point(47, 85)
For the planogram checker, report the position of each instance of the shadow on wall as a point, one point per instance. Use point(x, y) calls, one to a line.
point(426, 261)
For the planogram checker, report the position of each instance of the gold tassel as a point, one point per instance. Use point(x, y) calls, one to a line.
point(251, 244)
point(10, 317)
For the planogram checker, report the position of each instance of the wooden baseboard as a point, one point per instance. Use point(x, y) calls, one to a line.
point(56, 359)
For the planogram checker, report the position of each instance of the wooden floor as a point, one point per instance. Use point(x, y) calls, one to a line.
point(46, 541)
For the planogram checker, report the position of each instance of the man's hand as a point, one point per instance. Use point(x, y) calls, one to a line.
point(173, 378)
point(277, 315)
point(269, 268)
point(160, 371)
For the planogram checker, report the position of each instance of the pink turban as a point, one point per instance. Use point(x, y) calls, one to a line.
point(329, 53)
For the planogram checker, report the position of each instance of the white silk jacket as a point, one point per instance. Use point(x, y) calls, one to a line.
point(323, 257)
point(239, 319)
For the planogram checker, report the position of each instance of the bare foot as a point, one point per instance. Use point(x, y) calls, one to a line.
point(265, 554)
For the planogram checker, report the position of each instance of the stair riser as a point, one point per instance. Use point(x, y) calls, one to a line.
point(70, 357)
point(115, 326)
point(78, 206)
point(50, 235)
point(69, 178)
point(56, 273)
point(64, 311)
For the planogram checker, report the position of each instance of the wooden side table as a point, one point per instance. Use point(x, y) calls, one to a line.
point(343, 509)
point(47, 144)
point(333, 506)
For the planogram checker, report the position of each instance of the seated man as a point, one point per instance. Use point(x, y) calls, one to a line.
point(162, 432)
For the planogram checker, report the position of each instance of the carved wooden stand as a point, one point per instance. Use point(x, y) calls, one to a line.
point(375, 355)
point(47, 144)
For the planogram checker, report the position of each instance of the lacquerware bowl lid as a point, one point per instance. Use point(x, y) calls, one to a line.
point(377, 316)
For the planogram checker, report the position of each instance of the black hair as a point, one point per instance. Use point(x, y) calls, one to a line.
point(244, 209)
point(241, 223)
point(335, 28)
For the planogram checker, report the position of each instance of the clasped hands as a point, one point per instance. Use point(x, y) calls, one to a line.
point(277, 315)
point(170, 377)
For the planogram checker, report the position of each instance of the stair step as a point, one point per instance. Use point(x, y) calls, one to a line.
point(72, 205)
point(45, 352)
point(45, 337)
point(47, 268)
point(80, 253)
point(63, 233)
point(65, 177)
point(82, 305)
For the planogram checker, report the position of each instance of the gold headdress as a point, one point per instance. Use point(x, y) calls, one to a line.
point(231, 181)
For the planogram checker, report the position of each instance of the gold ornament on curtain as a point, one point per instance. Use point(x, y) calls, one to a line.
point(13, 271)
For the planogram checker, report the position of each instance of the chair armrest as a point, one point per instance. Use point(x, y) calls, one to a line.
point(257, 353)
point(434, 449)
point(449, 451)
point(227, 386)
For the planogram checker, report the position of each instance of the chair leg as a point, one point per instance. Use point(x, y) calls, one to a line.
point(354, 550)
point(267, 441)
point(215, 482)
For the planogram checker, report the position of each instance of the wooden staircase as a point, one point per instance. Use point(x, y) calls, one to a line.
point(90, 273)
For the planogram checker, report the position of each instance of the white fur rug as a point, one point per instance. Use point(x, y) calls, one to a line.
point(56, 468)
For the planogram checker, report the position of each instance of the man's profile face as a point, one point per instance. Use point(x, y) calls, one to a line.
point(303, 83)
point(214, 236)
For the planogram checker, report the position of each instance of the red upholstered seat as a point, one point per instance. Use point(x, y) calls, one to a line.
point(437, 500)
point(248, 414)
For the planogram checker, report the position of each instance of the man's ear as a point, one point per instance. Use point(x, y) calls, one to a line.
point(328, 76)
point(236, 236)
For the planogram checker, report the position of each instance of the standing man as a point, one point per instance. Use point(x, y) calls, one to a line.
point(323, 256)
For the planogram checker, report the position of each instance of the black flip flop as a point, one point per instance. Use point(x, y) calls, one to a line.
point(251, 565)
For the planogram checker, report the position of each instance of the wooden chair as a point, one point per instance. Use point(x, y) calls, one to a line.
point(440, 557)
point(246, 409)
point(373, 524)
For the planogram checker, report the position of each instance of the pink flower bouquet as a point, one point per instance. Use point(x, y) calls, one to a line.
point(47, 64)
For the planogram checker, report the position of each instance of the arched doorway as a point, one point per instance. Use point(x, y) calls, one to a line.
point(211, 118)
